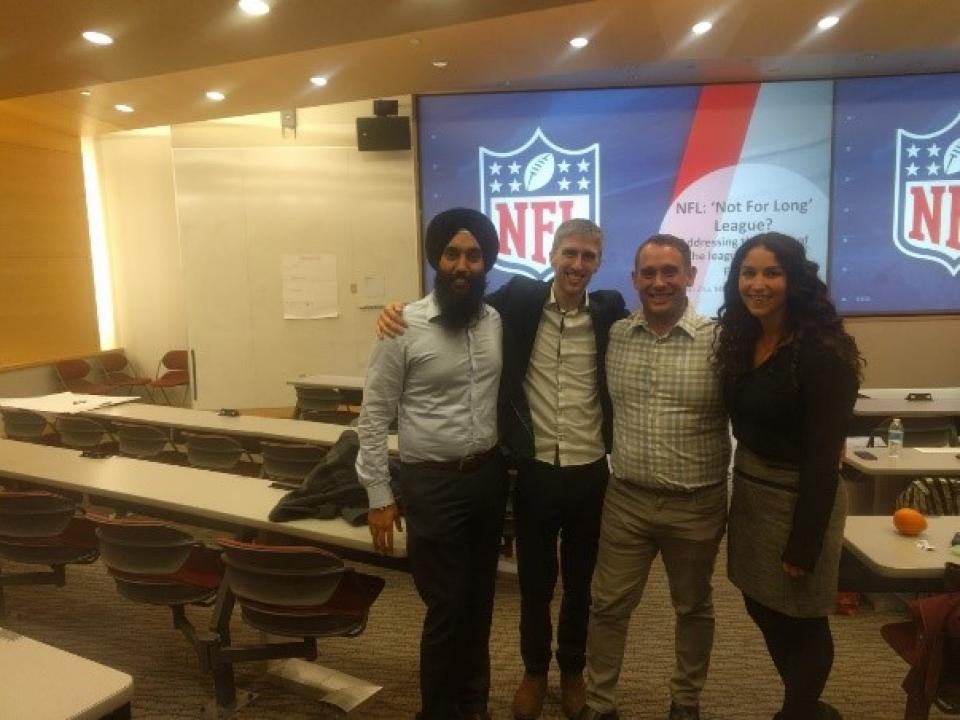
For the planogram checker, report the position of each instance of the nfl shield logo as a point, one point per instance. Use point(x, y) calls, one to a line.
point(926, 216)
point(527, 192)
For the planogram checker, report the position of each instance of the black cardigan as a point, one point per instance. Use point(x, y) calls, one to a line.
point(520, 304)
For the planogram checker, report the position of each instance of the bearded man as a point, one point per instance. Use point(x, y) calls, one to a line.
point(440, 380)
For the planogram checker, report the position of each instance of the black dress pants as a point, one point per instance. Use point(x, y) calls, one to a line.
point(454, 526)
point(554, 502)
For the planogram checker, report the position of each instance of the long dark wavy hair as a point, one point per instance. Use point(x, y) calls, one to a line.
point(810, 315)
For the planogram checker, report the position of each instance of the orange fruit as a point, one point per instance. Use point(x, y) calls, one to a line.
point(909, 521)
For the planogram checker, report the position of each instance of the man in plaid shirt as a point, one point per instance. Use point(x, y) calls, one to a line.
point(668, 493)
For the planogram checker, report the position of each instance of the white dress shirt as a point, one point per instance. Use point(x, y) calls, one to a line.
point(440, 384)
point(561, 387)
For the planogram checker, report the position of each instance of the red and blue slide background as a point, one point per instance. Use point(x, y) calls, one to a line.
point(714, 165)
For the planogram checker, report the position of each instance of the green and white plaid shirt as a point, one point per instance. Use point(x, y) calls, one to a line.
point(669, 425)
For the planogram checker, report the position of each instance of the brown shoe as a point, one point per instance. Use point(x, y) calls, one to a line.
point(573, 694)
point(528, 702)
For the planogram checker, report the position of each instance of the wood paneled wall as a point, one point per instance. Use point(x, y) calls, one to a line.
point(47, 305)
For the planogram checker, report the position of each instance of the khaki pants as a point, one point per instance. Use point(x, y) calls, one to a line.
point(637, 524)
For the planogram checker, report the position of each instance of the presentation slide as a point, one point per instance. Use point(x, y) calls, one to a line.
point(896, 195)
point(713, 165)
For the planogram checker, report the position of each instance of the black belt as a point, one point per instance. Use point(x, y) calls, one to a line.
point(464, 464)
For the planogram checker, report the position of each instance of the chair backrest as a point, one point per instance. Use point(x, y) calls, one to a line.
point(81, 432)
point(290, 462)
point(285, 576)
point(74, 374)
point(118, 371)
point(34, 514)
point(114, 361)
point(318, 398)
point(932, 496)
point(141, 441)
point(214, 452)
point(22, 424)
point(174, 360)
point(323, 405)
point(143, 546)
point(155, 563)
point(70, 370)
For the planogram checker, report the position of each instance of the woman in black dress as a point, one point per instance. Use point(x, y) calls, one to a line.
point(790, 375)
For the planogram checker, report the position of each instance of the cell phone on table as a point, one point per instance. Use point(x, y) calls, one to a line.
point(864, 454)
point(919, 396)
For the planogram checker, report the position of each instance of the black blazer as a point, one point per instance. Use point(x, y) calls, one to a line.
point(520, 304)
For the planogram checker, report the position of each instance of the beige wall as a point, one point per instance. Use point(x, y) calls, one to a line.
point(47, 306)
point(909, 351)
point(137, 186)
point(199, 217)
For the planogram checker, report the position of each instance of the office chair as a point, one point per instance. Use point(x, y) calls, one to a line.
point(120, 374)
point(155, 563)
point(74, 376)
point(290, 463)
point(41, 528)
point(171, 372)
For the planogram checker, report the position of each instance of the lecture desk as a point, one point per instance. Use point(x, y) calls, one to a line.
point(208, 421)
point(181, 494)
point(873, 540)
point(892, 402)
point(888, 476)
point(40, 682)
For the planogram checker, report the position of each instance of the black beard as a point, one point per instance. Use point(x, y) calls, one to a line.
point(459, 308)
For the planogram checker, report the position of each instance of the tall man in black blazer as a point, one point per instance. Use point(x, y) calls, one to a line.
point(555, 419)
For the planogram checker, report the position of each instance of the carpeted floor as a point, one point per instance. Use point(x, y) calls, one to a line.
point(87, 617)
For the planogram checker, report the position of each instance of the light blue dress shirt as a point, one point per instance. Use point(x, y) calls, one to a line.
point(441, 385)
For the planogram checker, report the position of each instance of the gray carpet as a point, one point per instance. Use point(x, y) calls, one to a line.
point(87, 617)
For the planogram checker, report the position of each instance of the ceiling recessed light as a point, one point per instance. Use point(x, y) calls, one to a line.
point(97, 38)
point(579, 42)
point(318, 80)
point(439, 63)
point(254, 7)
point(827, 22)
point(215, 95)
point(124, 108)
point(86, 93)
point(704, 26)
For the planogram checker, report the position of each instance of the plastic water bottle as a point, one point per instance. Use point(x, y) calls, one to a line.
point(895, 438)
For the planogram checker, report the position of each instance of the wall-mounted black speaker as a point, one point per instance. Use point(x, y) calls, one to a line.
point(390, 132)
point(386, 107)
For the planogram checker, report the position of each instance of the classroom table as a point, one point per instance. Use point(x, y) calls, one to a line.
point(335, 382)
point(892, 402)
point(208, 421)
point(40, 682)
point(199, 497)
point(874, 541)
point(874, 487)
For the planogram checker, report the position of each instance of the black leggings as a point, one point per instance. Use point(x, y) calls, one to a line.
point(802, 650)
